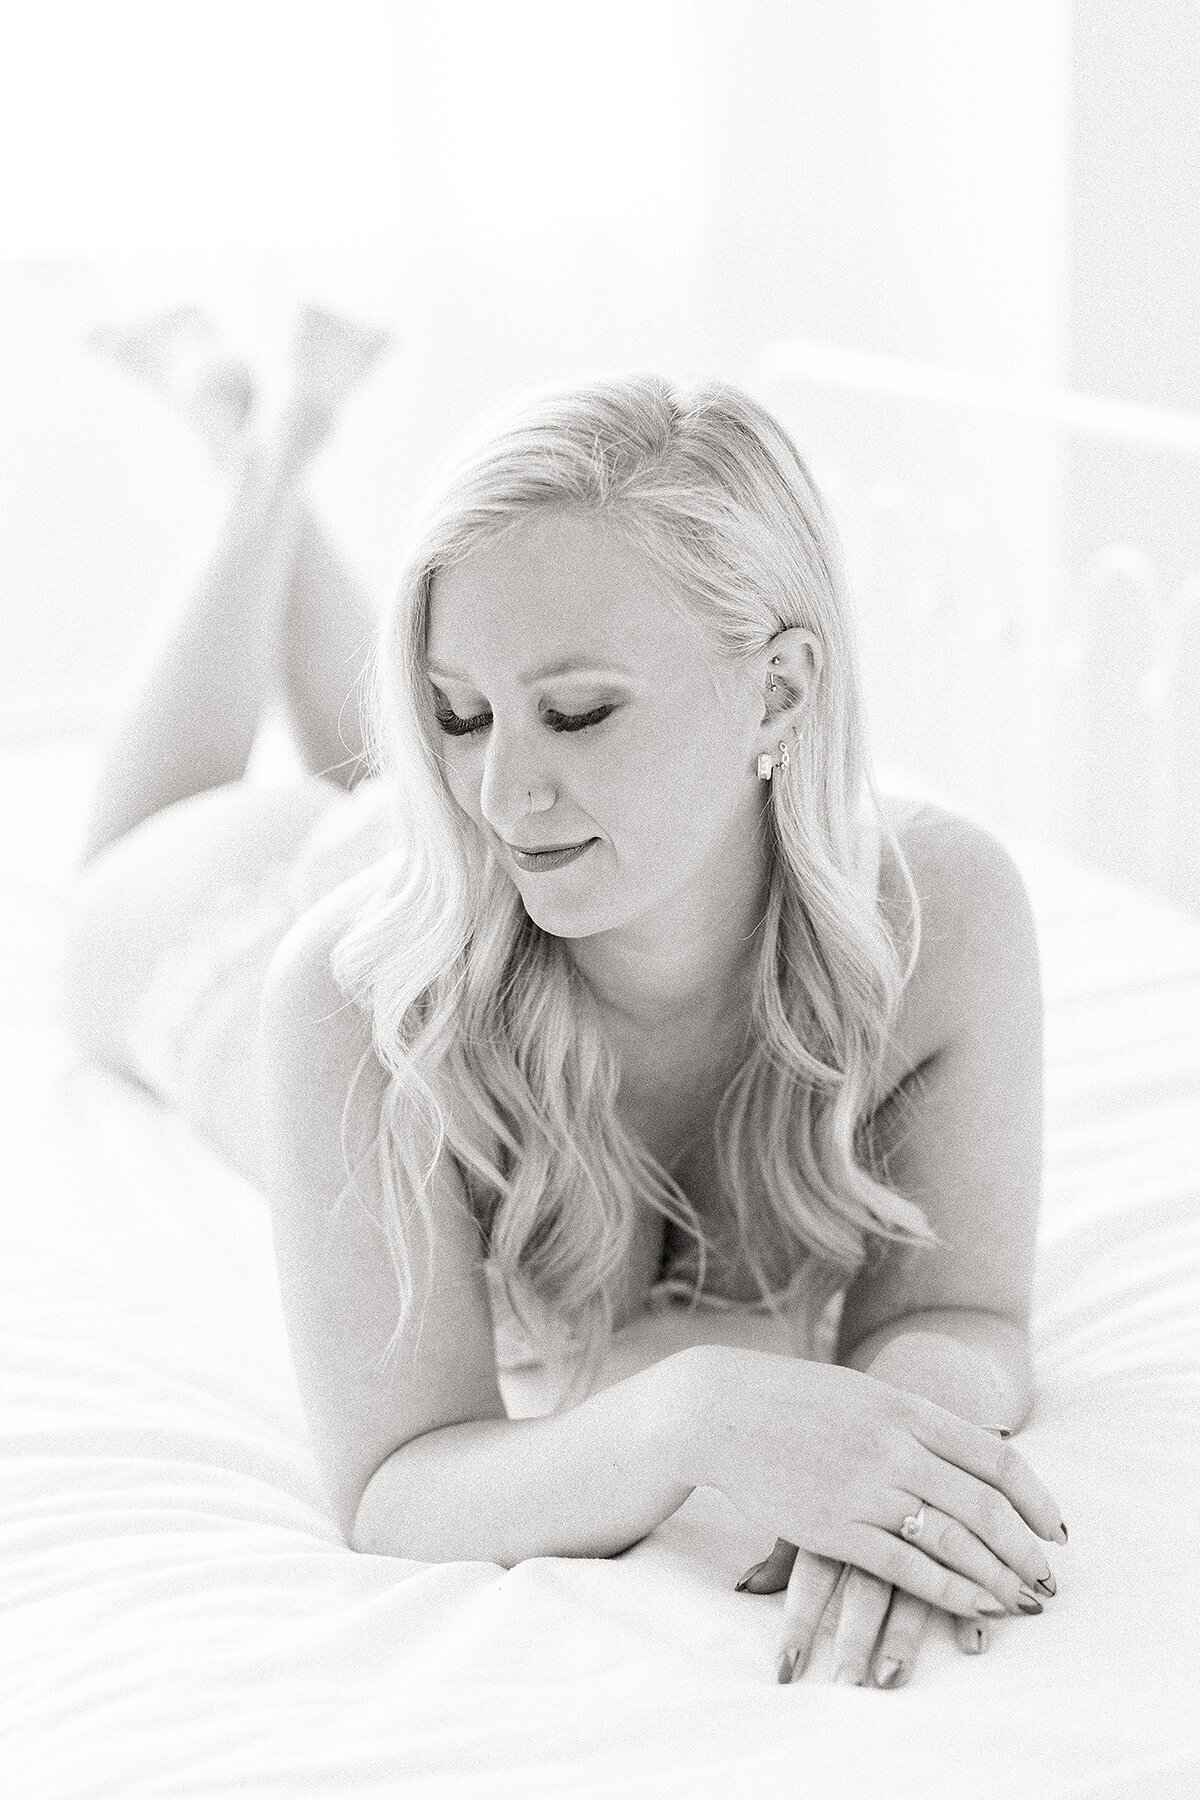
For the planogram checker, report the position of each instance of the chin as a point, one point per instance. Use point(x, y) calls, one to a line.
point(565, 920)
point(580, 914)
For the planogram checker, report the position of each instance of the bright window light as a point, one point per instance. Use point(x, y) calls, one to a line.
point(134, 124)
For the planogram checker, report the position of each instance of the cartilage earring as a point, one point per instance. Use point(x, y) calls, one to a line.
point(784, 758)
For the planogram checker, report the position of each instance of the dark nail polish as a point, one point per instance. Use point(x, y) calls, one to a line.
point(1029, 1602)
point(1048, 1584)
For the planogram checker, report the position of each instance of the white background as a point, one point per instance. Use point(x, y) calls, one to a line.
point(536, 191)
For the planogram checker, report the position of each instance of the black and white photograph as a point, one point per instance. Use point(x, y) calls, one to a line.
point(600, 897)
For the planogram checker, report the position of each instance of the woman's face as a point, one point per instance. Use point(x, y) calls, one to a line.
point(576, 706)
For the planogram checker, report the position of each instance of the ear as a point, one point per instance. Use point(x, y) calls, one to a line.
point(795, 658)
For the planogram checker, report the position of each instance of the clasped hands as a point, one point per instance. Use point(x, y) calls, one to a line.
point(942, 1514)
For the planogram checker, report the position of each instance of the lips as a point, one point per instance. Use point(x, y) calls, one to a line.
point(550, 858)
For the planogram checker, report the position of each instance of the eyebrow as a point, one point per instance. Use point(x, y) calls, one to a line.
point(565, 666)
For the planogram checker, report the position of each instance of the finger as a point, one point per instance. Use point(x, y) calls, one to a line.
point(901, 1637)
point(809, 1592)
point(973, 1636)
point(949, 1540)
point(994, 1460)
point(865, 1601)
point(907, 1567)
point(993, 1520)
point(771, 1575)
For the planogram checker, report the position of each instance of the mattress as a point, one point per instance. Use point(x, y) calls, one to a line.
point(178, 1615)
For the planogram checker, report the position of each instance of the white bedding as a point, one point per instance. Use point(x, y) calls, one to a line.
point(178, 1616)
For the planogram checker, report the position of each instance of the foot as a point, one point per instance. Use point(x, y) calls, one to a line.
point(181, 355)
point(331, 354)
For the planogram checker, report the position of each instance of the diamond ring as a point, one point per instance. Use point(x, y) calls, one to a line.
point(910, 1531)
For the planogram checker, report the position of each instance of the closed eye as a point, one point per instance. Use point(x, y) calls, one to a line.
point(453, 726)
point(577, 721)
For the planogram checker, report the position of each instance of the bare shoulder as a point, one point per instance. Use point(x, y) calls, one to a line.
point(977, 925)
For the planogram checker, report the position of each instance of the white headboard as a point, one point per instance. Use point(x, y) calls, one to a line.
point(1027, 566)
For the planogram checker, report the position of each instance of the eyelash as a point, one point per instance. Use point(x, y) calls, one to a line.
point(453, 726)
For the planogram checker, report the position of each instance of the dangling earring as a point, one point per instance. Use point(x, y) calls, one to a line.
point(771, 683)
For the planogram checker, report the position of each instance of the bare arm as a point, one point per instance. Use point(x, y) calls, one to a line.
point(963, 1137)
point(962, 1134)
point(587, 1482)
point(418, 1459)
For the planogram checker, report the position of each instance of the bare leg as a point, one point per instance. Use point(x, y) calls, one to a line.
point(191, 719)
point(326, 625)
point(328, 631)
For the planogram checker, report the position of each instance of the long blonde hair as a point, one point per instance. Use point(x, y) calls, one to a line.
point(482, 1019)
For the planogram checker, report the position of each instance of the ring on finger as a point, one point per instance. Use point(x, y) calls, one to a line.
point(948, 1541)
point(913, 1525)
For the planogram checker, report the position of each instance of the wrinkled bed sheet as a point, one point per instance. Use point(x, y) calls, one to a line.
point(179, 1617)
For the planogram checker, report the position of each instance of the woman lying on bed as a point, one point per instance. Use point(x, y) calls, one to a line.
point(631, 1002)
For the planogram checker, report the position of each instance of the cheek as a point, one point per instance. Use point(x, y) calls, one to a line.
point(683, 787)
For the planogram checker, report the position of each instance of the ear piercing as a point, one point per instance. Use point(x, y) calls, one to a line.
point(767, 767)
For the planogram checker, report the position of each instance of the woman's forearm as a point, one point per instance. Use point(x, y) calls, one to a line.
point(973, 1363)
point(586, 1482)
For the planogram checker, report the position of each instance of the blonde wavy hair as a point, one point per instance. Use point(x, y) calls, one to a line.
point(488, 1031)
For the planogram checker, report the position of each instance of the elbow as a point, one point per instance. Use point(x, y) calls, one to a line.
point(362, 1524)
point(390, 1522)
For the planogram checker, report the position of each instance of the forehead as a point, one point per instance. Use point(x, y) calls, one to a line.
point(561, 586)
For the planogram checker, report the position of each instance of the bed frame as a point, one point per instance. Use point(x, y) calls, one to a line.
point(1027, 567)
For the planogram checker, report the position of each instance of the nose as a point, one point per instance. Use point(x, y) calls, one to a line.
point(515, 783)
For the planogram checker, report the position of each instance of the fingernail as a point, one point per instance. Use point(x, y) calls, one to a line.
point(845, 1678)
point(888, 1672)
point(1047, 1583)
point(975, 1640)
point(995, 1609)
point(785, 1666)
point(1029, 1602)
point(741, 1586)
point(1062, 1532)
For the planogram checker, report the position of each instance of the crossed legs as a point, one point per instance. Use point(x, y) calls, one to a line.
point(270, 610)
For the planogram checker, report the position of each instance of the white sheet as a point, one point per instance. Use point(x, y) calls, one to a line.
point(178, 1617)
